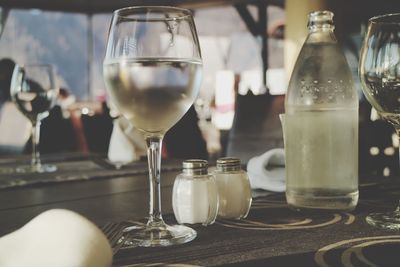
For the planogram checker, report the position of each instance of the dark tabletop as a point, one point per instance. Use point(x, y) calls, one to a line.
point(272, 234)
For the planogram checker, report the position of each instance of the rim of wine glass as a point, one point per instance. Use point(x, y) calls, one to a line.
point(49, 66)
point(125, 12)
point(380, 19)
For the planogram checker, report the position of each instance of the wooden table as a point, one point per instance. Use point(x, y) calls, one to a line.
point(100, 199)
point(272, 235)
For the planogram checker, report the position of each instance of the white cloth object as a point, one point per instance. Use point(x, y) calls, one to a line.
point(15, 128)
point(267, 171)
point(126, 143)
point(56, 238)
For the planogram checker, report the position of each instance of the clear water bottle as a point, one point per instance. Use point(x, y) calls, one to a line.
point(321, 124)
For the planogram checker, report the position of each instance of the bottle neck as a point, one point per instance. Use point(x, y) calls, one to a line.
point(320, 27)
point(320, 20)
point(321, 35)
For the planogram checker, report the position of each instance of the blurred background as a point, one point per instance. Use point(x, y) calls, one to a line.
point(248, 50)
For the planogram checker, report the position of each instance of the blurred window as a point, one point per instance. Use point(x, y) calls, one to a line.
point(100, 24)
point(62, 39)
point(34, 36)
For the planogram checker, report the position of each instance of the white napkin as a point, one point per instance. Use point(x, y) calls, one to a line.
point(267, 171)
point(126, 143)
point(56, 238)
point(15, 128)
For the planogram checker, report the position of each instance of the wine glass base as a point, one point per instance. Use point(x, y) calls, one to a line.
point(156, 236)
point(387, 220)
point(42, 168)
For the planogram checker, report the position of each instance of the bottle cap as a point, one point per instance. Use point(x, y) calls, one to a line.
point(228, 164)
point(195, 166)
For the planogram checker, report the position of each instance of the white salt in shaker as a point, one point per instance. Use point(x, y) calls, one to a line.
point(233, 189)
point(195, 194)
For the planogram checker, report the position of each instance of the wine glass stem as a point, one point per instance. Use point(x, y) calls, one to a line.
point(35, 143)
point(154, 145)
point(397, 128)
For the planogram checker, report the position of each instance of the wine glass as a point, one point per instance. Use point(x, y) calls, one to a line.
point(379, 71)
point(34, 91)
point(152, 70)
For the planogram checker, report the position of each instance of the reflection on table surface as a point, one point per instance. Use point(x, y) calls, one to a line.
point(272, 234)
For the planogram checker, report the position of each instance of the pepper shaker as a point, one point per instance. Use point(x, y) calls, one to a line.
point(195, 194)
point(233, 189)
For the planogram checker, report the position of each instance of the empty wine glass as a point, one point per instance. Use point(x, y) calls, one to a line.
point(34, 91)
point(380, 77)
point(152, 71)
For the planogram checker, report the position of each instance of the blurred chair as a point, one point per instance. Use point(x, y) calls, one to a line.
point(184, 140)
point(6, 70)
point(97, 130)
point(256, 126)
point(56, 134)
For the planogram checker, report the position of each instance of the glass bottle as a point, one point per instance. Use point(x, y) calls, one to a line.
point(233, 189)
point(321, 124)
point(195, 195)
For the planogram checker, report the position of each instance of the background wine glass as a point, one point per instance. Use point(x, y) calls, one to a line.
point(34, 91)
point(152, 71)
point(380, 77)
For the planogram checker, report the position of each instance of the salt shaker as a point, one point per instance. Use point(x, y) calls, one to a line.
point(233, 189)
point(195, 194)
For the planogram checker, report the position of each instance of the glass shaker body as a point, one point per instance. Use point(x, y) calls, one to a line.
point(195, 195)
point(233, 189)
point(321, 124)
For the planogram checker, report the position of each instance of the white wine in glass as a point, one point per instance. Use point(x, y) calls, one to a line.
point(158, 95)
point(152, 70)
point(379, 71)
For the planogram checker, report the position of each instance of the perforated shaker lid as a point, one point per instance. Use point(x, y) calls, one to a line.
point(228, 164)
point(195, 166)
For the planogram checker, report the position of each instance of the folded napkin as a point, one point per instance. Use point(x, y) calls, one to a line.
point(56, 238)
point(126, 143)
point(267, 171)
point(15, 128)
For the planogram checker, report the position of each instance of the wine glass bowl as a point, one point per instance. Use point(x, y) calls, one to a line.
point(153, 104)
point(34, 91)
point(379, 71)
point(152, 70)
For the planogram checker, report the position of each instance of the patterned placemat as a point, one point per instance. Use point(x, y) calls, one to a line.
point(72, 167)
point(274, 235)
